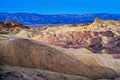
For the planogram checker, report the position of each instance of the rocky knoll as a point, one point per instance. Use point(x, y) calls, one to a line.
point(33, 54)
point(11, 27)
point(99, 24)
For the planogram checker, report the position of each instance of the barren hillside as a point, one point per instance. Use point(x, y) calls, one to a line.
point(29, 53)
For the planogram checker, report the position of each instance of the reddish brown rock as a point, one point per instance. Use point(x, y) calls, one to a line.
point(107, 33)
point(113, 46)
point(93, 40)
point(95, 44)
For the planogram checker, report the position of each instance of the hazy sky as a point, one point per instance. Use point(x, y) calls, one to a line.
point(60, 6)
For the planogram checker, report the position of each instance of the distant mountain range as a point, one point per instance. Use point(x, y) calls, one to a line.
point(34, 19)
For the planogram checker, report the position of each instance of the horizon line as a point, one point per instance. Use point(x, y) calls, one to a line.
point(57, 13)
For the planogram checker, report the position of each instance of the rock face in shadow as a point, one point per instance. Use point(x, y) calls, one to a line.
point(33, 54)
point(113, 46)
point(11, 27)
point(95, 44)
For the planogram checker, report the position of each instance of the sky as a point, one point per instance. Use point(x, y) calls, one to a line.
point(60, 6)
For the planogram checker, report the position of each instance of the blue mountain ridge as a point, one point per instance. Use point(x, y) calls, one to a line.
point(33, 19)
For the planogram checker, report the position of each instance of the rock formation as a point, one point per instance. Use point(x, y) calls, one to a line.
point(99, 24)
point(93, 37)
